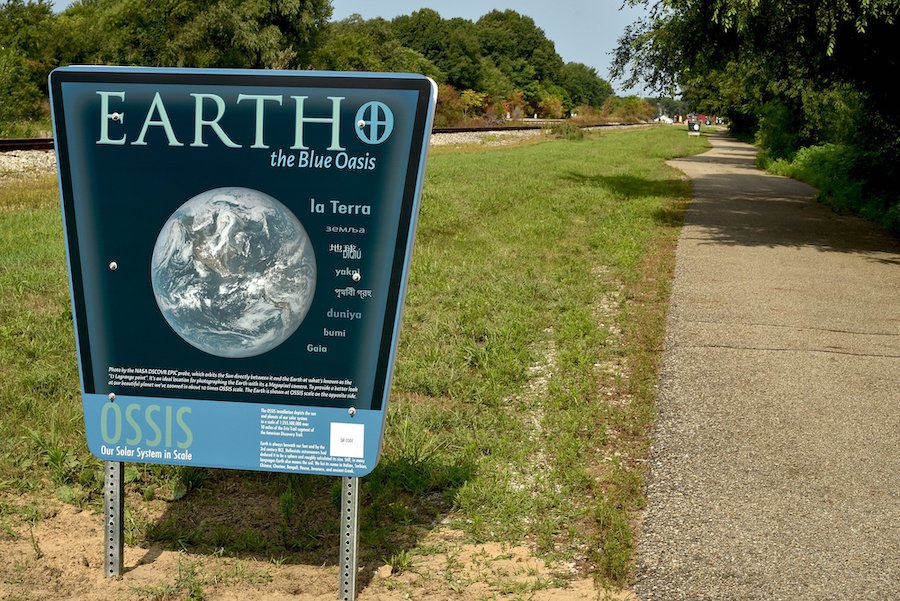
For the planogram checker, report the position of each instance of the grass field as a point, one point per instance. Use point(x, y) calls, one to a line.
point(523, 393)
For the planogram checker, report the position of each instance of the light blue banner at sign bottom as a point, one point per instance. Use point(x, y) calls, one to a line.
point(251, 436)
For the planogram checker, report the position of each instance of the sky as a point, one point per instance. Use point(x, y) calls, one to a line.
point(584, 31)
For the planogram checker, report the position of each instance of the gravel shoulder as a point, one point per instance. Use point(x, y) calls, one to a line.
point(23, 161)
point(775, 460)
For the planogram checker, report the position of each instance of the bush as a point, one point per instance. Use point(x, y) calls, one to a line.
point(449, 110)
point(833, 169)
point(550, 107)
point(20, 98)
point(587, 115)
point(829, 168)
point(566, 131)
point(38, 128)
point(777, 131)
point(833, 115)
point(627, 110)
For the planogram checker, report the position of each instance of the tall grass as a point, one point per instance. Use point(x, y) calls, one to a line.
point(34, 128)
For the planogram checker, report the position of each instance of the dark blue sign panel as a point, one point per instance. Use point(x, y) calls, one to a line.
point(238, 247)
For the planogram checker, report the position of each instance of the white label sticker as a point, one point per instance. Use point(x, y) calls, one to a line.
point(347, 440)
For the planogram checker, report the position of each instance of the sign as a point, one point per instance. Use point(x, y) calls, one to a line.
point(238, 246)
point(693, 128)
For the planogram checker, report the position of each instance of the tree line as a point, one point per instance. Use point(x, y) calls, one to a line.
point(811, 82)
point(502, 65)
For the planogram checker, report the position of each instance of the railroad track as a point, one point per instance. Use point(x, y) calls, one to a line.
point(9, 144)
point(543, 125)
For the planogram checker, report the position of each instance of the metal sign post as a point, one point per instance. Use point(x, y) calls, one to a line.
point(349, 537)
point(113, 512)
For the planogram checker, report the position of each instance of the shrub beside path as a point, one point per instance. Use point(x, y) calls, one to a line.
point(775, 466)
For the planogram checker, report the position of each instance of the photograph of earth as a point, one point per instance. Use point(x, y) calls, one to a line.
point(233, 272)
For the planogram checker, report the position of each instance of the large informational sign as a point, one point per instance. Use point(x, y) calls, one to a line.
point(238, 247)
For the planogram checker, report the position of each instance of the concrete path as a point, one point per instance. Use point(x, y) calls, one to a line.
point(775, 466)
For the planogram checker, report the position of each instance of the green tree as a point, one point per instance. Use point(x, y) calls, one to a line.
point(584, 86)
point(511, 39)
point(494, 82)
point(19, 96)
point(502, 53)
point(348, 45)
point(199, 33)
point(26, 56)
point(452, 45)
point(26, 30)
point(473, 103)
point(778, 64)
point(80, 35)
point(461, 57)
point(355, 44)
point(423, 30)
point(521, 52)
point(782, 48)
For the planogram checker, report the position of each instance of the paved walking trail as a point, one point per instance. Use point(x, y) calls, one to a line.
point(775, 467)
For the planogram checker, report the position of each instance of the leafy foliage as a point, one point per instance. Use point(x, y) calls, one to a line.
point(628, 110)
point(25, 29)
point(452, 45)
point(202, 33)
point(19, 96)
point(501, 65)
point(358, 45)
point(798, 74)
point(514, 42)
point(584, 86)
point(25, 58)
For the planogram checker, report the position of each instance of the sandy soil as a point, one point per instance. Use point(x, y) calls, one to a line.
point(60, 558)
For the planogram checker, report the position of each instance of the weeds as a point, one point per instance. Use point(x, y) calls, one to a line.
point(188, 586)
point(566, 131)
point(834, 170)
point(400, 562)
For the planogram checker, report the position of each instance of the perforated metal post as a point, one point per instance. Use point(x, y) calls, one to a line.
point(349, 536)
point(113, 511)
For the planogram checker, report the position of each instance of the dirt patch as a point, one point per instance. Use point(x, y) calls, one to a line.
point(60, 558)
